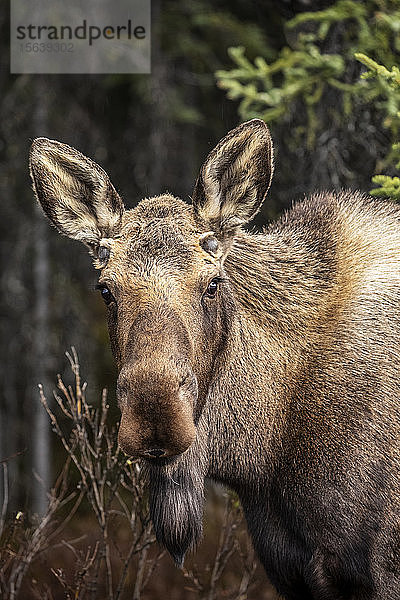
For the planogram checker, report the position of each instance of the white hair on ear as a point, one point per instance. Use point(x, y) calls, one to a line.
point(74, 192)
point(235, 178)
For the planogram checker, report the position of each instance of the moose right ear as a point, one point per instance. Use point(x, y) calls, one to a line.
point(74, 192)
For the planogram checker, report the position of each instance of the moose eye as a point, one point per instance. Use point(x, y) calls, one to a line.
point(105, 293)
point(212, 287)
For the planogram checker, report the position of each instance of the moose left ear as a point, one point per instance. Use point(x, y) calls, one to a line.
point(235, 178)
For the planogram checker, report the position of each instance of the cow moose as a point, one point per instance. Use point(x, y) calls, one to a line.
point(266, 361)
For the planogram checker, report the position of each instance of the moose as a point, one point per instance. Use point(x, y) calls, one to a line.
point(267, 361)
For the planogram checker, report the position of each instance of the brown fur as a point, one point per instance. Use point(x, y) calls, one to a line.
point(284, 385)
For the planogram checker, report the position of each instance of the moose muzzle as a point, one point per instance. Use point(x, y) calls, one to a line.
point(157, 404)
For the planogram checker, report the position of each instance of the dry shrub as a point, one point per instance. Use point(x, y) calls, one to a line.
point(100, 496)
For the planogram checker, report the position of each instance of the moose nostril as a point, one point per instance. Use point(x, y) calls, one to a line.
point(155, 453)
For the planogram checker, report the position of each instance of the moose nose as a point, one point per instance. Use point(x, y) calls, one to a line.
point(155, 453)
point(157, 406)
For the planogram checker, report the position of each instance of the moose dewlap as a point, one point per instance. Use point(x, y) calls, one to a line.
point(266, 361)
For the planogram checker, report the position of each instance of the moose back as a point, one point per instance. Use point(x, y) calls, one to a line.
point(266, 361)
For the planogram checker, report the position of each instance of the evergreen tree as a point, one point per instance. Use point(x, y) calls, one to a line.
point(330, 121)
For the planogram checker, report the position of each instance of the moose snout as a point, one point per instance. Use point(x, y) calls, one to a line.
point(157, 411)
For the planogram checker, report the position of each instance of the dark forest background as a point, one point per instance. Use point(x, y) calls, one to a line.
point(151, 134)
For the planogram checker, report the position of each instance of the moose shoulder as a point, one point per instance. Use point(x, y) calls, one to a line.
point(267, 361)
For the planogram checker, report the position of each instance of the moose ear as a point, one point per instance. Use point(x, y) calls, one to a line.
point(235, 178)
point(74, 192)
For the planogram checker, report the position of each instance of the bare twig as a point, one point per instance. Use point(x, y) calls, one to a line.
point(20, 453)
point(114, 490)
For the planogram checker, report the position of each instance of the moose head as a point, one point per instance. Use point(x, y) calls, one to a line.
point(161, 276)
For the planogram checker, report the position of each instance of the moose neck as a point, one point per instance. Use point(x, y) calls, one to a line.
point(280, 306)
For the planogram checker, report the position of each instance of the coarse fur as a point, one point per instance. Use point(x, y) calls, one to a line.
point(265, 361)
